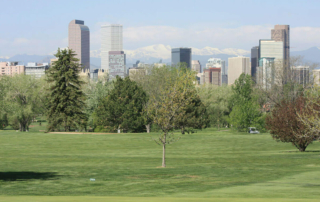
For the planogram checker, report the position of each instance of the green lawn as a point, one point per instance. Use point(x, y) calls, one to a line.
point(206, 166)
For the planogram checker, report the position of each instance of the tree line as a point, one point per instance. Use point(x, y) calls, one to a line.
point(163, 99)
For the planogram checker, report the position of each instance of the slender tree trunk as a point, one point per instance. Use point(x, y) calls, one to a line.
point(164, 156)
point(164, 151)
point(182, 130)
point(148, 128)
point(65, 126)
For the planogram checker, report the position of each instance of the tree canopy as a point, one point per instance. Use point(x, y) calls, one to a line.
point(285, 126)
point(122, 107)
point(245, 108)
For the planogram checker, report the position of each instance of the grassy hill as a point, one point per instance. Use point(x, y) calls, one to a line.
point(210, 164)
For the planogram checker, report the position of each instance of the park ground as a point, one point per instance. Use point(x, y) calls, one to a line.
point(209, 165)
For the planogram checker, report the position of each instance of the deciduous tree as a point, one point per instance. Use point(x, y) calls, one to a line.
point(245, 110)
point(23, 99)
point(285, 126)
point(171, 104)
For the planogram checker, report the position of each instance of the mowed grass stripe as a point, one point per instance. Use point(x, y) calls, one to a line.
point(139, 199)
point(208, 163)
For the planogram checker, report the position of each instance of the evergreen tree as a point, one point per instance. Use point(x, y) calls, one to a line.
point(66, 98)
point(123, 106)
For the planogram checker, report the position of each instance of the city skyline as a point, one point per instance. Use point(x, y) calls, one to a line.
point(232, 29)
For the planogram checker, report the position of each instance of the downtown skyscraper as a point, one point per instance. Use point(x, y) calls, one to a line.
point(282, 33)
point(181, 55)
point(79, 42)
point(111, 40)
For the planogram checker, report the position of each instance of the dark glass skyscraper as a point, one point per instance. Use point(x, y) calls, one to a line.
point(179, 55)
point(255, 55)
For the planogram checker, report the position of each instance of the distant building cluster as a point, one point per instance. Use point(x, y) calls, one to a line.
point(34, 69)
point(261, 65)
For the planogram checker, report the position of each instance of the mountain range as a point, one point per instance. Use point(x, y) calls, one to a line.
point(155, 53)
point(164, 52)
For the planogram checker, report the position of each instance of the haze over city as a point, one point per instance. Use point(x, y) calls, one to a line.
point(39, 27)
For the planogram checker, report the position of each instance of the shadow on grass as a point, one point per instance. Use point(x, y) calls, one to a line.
point(23, 176)
point(303, 152)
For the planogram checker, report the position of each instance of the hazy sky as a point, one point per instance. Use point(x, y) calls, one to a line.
point(41, 26)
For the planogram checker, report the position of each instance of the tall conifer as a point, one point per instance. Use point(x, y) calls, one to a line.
point(66, 98)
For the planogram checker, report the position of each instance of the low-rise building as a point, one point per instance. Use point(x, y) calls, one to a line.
point(36, 69)
point(52, 61)
point(316, 76)
point(117, 64)
point(302, 75)
point(136, 72)
point(11, 68)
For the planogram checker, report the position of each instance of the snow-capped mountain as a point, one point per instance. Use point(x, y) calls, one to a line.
point(164, 52)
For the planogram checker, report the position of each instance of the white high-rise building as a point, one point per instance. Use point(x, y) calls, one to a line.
point(237, 66)
point(111, 40)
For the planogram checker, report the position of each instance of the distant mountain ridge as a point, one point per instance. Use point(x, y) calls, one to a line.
point(164, 52)
point(153, 54)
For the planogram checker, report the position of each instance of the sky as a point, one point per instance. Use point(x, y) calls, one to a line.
point(41, 26)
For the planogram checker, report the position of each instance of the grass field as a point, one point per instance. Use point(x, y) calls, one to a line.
point(206, 166)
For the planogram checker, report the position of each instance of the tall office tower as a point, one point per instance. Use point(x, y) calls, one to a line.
point(212, 76)
point(196, 66)
point(218, 63)
point(180, 55)
point(271, 56)
point(117, 64)
point(111, 40)
point(79, 42)
point(282, 33)
point(237, 66)
point(271, 49)
point(255, 55)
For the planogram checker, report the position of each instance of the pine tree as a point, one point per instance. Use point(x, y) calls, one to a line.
point(66, 98)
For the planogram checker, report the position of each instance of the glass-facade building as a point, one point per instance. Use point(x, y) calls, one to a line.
point(255, 55)
point(265, 72)
point(271, 49)
point(181, 55)
point(271, 56)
